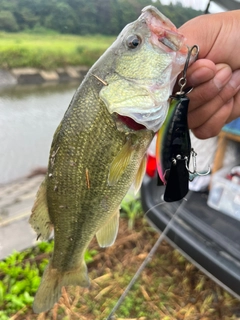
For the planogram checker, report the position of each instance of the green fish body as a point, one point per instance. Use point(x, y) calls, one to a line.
point(99, 148)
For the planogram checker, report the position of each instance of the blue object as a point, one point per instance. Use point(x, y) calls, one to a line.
point(233, 127)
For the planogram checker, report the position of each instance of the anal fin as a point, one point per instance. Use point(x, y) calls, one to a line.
point(120, 163)
point(39, 219)
point(107, 234)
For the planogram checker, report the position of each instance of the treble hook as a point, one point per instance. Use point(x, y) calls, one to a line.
point(193, 154)
point(183, 80)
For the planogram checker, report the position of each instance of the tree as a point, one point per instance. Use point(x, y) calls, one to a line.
point(82, 16)
point(8, 21)
point(61, 19)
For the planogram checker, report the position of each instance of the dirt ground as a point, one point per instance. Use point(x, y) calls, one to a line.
point(169, 287)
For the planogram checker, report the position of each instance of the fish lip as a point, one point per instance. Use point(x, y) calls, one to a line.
point(148, 120)
point(164, 33)
point(151, 11)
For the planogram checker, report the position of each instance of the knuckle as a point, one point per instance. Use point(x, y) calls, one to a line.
point(203, 94)
point(227, 93)
point(207, 131)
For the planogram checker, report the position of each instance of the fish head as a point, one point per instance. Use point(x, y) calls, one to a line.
point(141, 69)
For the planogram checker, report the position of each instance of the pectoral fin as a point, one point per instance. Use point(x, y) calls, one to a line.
point(140, 174)
point(107, 234)
point(39, 219)
point(120, 163)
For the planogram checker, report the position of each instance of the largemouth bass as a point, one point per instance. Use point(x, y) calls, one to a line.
point(99, 148)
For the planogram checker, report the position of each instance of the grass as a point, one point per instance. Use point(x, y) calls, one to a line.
point(49, 51)
point(20, 276)
point(169, 288)
point(131, 209)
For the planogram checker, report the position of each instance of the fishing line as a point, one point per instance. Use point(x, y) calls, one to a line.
point(147, 259)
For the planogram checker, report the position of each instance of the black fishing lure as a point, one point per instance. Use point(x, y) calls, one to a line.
point(173, 150)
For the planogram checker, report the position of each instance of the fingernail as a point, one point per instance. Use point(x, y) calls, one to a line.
point(235, 80)
point(222, 77)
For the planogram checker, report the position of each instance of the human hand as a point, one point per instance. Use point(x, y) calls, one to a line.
point(215, 77)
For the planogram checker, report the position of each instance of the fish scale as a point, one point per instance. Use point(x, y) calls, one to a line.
point(96, 159)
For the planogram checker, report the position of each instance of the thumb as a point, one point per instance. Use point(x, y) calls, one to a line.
point(203, 31)
point(216, 35)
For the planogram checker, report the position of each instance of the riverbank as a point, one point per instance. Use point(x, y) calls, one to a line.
point(16, 201)
point(38, 58)
point(38, 76)
point(50, 51)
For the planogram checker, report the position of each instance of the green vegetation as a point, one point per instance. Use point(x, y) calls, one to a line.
point(50, 34)
point(80, 16)
point(20, 276)
point(21, 272)
point(131, 209)
point(50, 51)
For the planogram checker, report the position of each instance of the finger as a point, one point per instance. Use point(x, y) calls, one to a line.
point(201, 71)
point(200, 115)
point(197, 31)
point(236, 108)
point(216, 36)
point(214, 124)
point(208, 120)
point(207, 91)
point(235, 82)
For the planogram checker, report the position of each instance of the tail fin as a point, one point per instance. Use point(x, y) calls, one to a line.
point(49, 291)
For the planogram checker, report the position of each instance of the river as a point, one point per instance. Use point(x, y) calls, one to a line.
point(29, 116)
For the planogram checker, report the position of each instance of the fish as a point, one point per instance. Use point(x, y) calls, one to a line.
point(99, 149)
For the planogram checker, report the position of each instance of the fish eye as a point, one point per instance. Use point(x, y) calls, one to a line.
point(133, 41)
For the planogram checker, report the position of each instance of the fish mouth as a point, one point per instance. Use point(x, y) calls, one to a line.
point(133, 122)
point(145, 120)
point(163, 32)
point(130, 123)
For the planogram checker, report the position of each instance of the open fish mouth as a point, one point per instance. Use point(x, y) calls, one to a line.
point(146, 120)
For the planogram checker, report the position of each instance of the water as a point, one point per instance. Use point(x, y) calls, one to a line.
point(29, 116)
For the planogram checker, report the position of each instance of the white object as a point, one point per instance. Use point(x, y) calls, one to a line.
point(224, 195)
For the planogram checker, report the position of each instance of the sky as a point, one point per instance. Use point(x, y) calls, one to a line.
point(196, 4)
